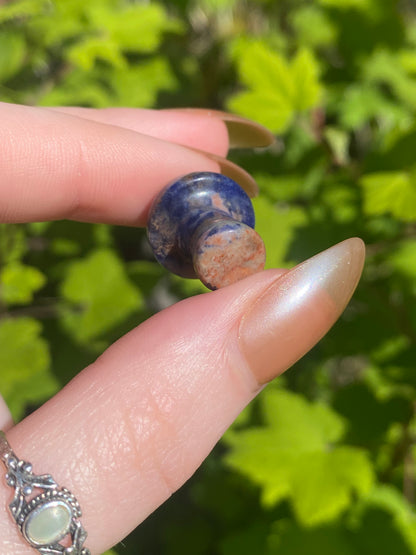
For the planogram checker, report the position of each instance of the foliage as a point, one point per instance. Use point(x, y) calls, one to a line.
point(322, 462)
point(296, 455)
point(278, 89)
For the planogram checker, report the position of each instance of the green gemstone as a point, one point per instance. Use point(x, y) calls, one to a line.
point(48, 523)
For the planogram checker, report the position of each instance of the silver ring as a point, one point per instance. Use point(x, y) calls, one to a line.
point(44, 512)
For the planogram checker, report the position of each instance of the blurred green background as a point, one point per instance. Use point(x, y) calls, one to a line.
point(323, 462)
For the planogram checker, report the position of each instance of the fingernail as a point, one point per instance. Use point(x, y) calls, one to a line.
point(235, 172)
point(245, 133)
point(294, 312)
point(242, 132)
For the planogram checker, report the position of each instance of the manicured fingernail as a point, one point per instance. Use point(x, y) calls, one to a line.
point(299, 308)
point(242, 132)
point(235, 172)
point(245, 133)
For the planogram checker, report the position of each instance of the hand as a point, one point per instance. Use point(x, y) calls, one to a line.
point(132, 427)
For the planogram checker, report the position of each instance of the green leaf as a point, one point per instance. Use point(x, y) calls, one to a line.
point(21, 9)
point(59, 22)
point(12, 243)
point(323, 484)
point(217, 6)
point(18, 283)
point(385, 67)
point(295, 456)
point(291, 539)
point(38, 228)
point(85, 54)
point(12, 54)
point(385, 522)
point(270, 109)
point(187, 287)
point(278, 89)
point(277, 226)
point(135, 28)
point(313, 27)
point(338, 140)
point(340, 200)
point(78, 88)
point(139, 85)
point(362, 103)
point(101, 293)
point(390, 192)
point(304, 72)
point(407, 59)
point(24, 362)
point(364, 5)
point(403, 258)
point(389, 498)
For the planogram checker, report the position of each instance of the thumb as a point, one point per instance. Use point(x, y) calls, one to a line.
point(135, 425)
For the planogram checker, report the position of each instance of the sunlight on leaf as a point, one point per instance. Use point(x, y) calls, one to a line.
point(323, 484)
point(21, 9)
point(12, 54)
point(403, 258)
point(295, 456)
point(138, 86)
point(307, 90)
point(18, 283)
point(138, 27)
point(24, 361)
point(362, 103)
point(313, 26)
point(393, 192)
point(277, 226)
point(385, 67)
point(278, 88)
point(85, 54)
point(101, 294)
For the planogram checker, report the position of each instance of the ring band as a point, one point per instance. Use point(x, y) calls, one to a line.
point(44, 512)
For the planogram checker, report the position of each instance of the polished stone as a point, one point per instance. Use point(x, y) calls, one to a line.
point(195, 208)
point(48, 523)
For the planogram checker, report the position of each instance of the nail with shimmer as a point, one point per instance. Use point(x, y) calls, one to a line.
point(242, 132)
point(299, 308)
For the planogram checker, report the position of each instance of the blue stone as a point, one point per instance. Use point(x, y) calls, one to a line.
point(195, 218)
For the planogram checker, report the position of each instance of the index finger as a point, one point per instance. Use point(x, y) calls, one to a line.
point(54, 165)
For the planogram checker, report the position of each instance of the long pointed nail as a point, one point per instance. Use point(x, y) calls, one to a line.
point(245, 133)
point(235, 172)
point(242, 132)
point(299, 308)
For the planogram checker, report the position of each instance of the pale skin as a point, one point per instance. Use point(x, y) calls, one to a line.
point(153, 405)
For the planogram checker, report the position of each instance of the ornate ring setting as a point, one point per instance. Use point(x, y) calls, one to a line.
point(44, 512)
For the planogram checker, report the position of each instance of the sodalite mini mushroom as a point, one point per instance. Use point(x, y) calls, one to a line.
point(202, 226)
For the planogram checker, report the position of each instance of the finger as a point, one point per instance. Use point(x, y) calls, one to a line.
point(185, 129)
point(55, 166)
point(186, 126)
point(135, 425)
